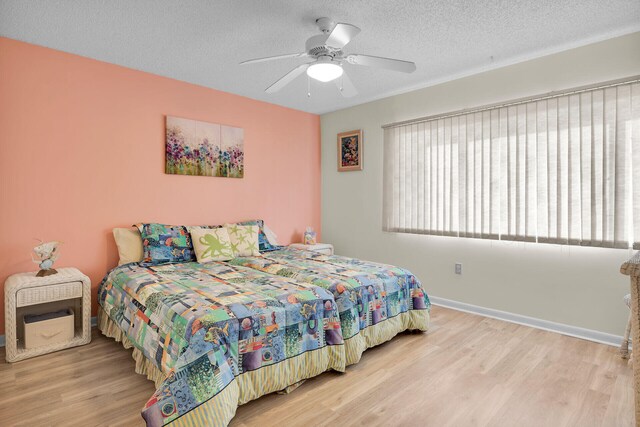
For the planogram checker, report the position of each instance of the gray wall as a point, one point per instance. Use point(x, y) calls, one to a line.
point(571, 285)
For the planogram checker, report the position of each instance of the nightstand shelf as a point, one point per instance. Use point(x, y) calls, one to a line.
point(26, 294)
point(323, 248)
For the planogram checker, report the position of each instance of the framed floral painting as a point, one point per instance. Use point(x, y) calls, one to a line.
point(350, 151)
point(205, 149)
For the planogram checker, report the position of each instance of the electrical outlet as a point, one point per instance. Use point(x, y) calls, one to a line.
point(458, 268)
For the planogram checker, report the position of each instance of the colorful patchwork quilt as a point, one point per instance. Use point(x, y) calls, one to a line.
point(223, 333)
point(220, 334)
point(375, 301)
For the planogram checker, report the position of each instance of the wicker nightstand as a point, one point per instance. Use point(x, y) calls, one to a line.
point(323, 248)
point(24, 293)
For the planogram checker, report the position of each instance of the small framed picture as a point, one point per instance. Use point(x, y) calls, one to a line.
point(350, 151)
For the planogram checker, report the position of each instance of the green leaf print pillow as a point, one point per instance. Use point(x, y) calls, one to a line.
point(211, 244)
point(244, 239)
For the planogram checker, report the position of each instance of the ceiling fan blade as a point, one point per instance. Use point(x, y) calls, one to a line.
point(271, 58)
point(379, 62)
point(341, 35)
point(345, 86)
point(287, 78)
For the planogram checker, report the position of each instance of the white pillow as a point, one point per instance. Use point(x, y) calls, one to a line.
point(211, 244)
point(244, 239)
point(129, 243)
point(271, 236)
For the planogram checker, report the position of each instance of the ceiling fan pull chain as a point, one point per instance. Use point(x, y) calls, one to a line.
point(308, 87)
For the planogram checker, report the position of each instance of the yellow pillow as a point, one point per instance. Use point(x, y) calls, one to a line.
point(129, 243)
point(244, 239)
point(211, 244)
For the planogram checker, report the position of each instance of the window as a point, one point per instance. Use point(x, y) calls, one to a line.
point(561, 168)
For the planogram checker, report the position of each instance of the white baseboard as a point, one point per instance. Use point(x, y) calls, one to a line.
point(94, 323)
point(546, 325)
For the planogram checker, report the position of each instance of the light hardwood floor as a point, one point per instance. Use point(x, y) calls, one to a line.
point(466, 371)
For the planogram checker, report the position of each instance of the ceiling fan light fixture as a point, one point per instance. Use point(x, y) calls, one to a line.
point(324, 71)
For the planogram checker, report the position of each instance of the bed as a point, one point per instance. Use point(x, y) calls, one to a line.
point(214, 336)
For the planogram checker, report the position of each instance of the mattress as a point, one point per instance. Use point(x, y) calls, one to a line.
point(214, 336)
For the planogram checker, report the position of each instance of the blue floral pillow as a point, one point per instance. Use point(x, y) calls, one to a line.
point(263, 242)
point(162, 244)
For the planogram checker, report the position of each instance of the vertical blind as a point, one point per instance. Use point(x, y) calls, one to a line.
point(562, 168)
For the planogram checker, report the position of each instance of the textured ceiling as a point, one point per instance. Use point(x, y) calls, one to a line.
point(202, 42)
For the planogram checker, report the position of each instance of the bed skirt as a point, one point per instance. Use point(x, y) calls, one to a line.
point(143, 365)
point(412, 320)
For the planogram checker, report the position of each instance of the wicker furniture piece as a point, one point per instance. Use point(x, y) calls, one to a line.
point(632, 269)
point(24, 293)
point(323, 248)
point(624, 346)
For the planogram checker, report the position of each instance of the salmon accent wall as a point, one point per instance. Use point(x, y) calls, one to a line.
point(82, 151)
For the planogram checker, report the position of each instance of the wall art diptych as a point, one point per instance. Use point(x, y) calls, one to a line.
point(205, 149)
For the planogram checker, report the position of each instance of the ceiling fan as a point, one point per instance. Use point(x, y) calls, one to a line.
point(328, 58)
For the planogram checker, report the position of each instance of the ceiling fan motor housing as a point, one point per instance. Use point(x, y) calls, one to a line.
point(315, 46)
